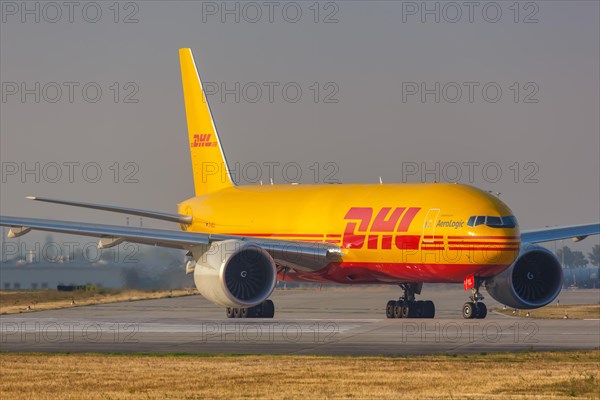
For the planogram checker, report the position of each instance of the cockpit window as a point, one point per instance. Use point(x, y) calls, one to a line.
point(508, 221)
point(494, 222)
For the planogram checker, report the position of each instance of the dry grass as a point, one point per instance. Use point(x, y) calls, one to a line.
point(12, 302)
point(493, 376)
point(577, 311)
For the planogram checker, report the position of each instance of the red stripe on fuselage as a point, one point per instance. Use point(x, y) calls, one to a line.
point(475, 244)
point(375, 272)
point(485, 248)
point(277, 234)
point(483, 237)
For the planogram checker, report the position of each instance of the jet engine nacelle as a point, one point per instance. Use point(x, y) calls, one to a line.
point(532, 281)
point(235, 273)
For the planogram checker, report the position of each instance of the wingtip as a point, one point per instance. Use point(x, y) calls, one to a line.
point(31, 197)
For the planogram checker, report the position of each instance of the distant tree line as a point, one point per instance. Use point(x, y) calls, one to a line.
point(576, 259)
point(577, 271)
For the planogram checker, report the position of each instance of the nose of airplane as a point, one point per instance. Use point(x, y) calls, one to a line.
point(496, 231)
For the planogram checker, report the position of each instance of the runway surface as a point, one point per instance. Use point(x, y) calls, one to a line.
point(346, 321)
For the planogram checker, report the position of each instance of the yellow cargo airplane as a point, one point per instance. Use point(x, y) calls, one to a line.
point(241, 239)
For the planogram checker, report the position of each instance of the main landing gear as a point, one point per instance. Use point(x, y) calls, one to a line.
point(475, 308)
point(266, 309)
point(407, 306)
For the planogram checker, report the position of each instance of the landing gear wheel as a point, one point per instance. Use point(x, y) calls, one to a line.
point(428, 309)
point(469, 311)
point(408, 309)
point(268, 308)
point(481, 310)
point(398, 306)
point(256, 311)
point(389, 309)
point(419, 309)
point(407, 306)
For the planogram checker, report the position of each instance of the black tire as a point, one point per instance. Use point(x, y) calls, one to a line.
point(244, 313)
point(428, 309)
point(253, 312)
point(389, 309)
point(419, 309)
point(398, 309)
point(229, 312)
point(236, 312)
point(257, 311)
point(481, 311)
point(268, 309)
point(408, 308)
point(469, 311)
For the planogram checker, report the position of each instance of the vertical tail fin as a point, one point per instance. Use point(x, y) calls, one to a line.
point(209, 166)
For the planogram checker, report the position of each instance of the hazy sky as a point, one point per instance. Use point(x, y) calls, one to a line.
point(358, 68)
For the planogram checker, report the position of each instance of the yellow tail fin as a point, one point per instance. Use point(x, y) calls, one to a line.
point(209, 165)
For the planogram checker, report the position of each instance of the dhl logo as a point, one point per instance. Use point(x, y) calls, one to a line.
point(380, 232)
point(203, 140)
point(469, 282)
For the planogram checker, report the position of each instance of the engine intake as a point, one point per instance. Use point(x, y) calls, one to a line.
point(235, 273)
point(532, 281)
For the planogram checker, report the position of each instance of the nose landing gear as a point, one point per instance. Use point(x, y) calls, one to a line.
point(475, 308)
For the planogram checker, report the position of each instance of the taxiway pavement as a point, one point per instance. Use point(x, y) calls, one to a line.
point(332, 321)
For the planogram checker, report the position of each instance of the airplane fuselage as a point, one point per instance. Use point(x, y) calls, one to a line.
point(389, 233)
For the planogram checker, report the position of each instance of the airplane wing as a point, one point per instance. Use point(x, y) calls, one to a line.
point(577, 232)
point(301, 256)
point(177, 218)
